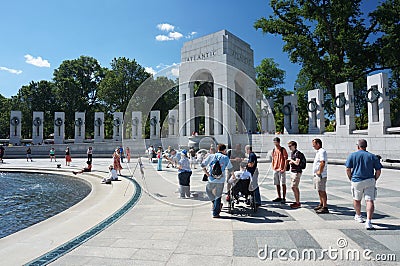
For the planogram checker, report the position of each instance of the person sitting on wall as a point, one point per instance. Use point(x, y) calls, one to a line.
point(85, 169)
point(113, 176)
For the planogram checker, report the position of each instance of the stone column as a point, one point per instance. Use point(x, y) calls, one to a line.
point(59, 127)
point(378, 104)
point(137, 125)
point(98, 127)
point(173, 123)
point(79, 124)
point(218, 111)
point(15, 127)
point(291, 114)
point(154, 124)
point(345, 114)
point(37, 128)
point(315, 108)
point(118, 123)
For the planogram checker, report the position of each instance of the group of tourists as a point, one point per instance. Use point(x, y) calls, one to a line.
point(362, 168)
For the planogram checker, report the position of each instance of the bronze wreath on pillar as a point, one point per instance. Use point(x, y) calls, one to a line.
point(312, 106)
point(375, 94)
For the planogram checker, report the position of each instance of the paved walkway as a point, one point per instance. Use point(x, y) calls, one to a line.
point(164, 230)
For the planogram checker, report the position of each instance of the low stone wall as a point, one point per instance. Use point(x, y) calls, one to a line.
point(337, 147)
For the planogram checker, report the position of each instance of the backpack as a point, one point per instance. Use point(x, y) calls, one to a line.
point(216, 171)
point(303, 161)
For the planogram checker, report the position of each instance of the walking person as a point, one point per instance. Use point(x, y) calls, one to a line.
point(320, 171)
point(89, 153)
point(29, 154)
point(121, 153)
point(192, 157)
point(150, 153)
point(1, 153)
point(279, 162)
point(253, 170)
point(52, 154)
point(184, 173)
point(117, 161)
point(67, 157)
point(363, 170)
point(159, 159)
point(295, 173)
point(215, 184)
point(128, 154)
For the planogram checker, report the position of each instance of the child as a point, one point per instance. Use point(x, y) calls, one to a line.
point(52, 154)
point(159, 159)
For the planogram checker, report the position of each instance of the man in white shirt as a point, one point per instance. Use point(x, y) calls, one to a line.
point(320, 171)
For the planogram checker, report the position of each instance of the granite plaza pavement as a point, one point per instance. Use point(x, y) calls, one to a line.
point(162, 229)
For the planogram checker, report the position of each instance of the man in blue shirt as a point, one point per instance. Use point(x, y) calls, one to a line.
point(363, 169)
point(215, 186)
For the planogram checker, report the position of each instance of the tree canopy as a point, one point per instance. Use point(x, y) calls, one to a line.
point(334, 41)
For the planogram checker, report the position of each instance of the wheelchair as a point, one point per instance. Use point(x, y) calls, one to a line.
point(239, 193)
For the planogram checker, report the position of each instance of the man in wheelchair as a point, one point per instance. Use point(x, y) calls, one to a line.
point(240, 181)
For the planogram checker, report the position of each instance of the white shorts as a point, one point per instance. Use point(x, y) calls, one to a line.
point(279, 178)
point(366, 187)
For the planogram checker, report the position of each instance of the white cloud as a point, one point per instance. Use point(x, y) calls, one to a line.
point(162, 38)
point(38, 61)
point(171, 36)
point(165, 27)
point(10, 70)
point(150, 70)
point(190, 35)
point(175, 71)
point(175, 35)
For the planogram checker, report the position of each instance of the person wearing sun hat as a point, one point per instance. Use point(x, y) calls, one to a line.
point(184, 173)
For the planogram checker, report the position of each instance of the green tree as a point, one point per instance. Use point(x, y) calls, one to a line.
point(118, 86)
point(77, 83)
point(269, 78)
point(5, 109)
point(37, 96)
point(334, 41)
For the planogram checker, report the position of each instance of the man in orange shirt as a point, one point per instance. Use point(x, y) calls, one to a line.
point(279, 162)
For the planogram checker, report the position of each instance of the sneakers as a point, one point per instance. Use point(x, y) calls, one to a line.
point(283, 201)
point(358, 218)
point(277, 200)
point(322, 210)
point(295, 205)
point(369, 226)
point(318, 207)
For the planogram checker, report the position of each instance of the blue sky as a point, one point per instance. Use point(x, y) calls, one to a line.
point(37, 35)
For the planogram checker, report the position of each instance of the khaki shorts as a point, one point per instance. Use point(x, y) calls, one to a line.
point(320, 183)
point(295, 179)
point(279, 178)
point(366, 187)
